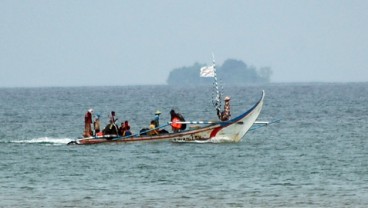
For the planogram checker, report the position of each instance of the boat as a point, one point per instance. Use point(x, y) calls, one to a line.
point(229, 130)
point(232, 130)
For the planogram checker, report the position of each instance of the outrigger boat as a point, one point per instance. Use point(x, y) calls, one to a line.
point(232, 130)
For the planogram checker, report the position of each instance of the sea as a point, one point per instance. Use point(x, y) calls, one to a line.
point(314, 152)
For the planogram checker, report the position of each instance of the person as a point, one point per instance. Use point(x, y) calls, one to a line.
point(225, 115)
point(157, 123)
point(127, 132)
point(87, 123)
point(153, 131)
point(126, 125)
point(122, 129)
point(174, 121)
point(111, 128)
point(96, 124)
point(157, 119)
point(112, 117)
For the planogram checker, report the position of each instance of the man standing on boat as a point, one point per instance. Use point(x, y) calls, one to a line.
point(112, 117)
point(225, 115)
point(87, 123)
point(96, 124)
point(112, 128)
point(157, 119)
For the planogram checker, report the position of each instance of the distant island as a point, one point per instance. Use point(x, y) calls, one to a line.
point(232, 72)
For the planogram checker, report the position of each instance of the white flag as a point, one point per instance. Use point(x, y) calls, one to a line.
point(207, 71)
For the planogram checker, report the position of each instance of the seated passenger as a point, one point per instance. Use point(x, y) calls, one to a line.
point(153, 131)
point(177, 121)
point(122, 129)
point(127, 132)
point(126, 125)
point(111, 128)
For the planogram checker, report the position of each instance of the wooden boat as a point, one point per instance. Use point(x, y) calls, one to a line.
point(232, 130)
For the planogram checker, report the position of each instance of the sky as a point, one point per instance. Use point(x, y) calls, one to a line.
point(138, 42)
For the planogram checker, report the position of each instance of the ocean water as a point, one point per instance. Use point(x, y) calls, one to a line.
point(315, 157)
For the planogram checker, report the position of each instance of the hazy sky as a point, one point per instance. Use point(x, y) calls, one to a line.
point(124, 42)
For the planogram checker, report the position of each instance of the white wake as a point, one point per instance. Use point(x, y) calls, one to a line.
point(45, 140)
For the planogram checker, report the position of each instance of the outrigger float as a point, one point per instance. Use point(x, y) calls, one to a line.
point(232, 130)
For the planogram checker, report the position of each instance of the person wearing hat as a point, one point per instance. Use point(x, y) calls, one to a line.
point(225, 115)
point(157, 123)
point(87, 123)
point(157, 119)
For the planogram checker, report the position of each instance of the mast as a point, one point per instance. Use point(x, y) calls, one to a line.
point(217, 101)
point(210, 71)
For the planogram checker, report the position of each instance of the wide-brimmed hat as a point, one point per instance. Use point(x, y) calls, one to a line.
point(227, 98)
point(158, 112)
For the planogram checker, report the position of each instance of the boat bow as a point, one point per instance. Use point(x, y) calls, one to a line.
point(236, 128)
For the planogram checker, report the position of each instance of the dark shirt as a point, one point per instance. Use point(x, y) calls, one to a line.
point(88, 118)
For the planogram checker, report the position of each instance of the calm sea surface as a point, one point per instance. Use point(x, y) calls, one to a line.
point(317, 156)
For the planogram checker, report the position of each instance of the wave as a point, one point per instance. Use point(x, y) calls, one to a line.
point(45, 140)
point(221, 139)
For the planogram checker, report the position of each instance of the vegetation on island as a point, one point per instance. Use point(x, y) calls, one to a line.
point(232, 72)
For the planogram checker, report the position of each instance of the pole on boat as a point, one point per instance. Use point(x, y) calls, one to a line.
point(217, 101)
point(262, 122)
point(195, 122)
point(210, 71)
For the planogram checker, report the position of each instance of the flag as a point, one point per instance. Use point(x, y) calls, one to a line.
point(207, 71)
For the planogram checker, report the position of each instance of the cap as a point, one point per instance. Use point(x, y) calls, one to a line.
point(90, 110)
point(227, 98)
point(158, 112)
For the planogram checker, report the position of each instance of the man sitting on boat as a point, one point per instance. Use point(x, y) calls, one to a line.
point(122, 129)
point(127, 132)
point(153, 131)
point(111, 129)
